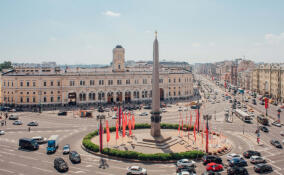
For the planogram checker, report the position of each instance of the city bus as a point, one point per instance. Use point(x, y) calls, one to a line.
point(243, 116)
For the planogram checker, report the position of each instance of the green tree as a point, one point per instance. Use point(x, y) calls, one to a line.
point(5, 65)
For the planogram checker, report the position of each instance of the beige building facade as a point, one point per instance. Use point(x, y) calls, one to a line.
point(268, 79)
point(114, 83)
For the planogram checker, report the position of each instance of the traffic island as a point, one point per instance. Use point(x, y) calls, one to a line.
point(137, 147)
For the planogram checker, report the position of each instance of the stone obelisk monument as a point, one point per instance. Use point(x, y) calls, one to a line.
point(155, 117)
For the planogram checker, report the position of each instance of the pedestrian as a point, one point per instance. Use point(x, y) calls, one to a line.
point(5, 122)
point(29, 129)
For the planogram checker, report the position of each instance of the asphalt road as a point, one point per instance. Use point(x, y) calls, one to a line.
point(72, 129)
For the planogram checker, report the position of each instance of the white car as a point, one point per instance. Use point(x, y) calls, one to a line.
point(233, 155)
point(2, 132)
point(186, 173)
point(185, 162)
point(133, 170)
point(185, 109)
point(164, 110)
point(40, 139)
point(143, 114)
point(179, 109)
point(276, 123)
point(282, 133)
point(256, 160)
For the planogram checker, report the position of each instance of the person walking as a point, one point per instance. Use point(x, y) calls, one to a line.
point(29, 129)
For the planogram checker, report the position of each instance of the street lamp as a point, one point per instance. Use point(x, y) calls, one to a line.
point(207, 117)
point(279, 111)
point(101, 117)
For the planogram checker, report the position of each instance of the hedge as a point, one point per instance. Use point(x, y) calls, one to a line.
point(141, 156)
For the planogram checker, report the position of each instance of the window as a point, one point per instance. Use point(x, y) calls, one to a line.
point(34, 83)
point(21, 92)
point(144, 81)
point(101, 82)
point(44, 83)
point(33, 92)
point(58, 98)
point(4, 83)
point(169, 80)
point(34, 99)
point(82, 83)
point(28, 93)
point(92, 82)
point(127, 81)
point(58, 83)
point(119, 66)
point(44, 99)
point(58, 92)
point(21, 83)
point(51, 92)
point(161, 80)
point(8, 83)
point(174, 80)
point(110, 82)
point(21, 99)
point(136, 81)
point(51, 99)
point(51, 83)
point(28, 99)
point(179, 80)
point(72, 83)
point(119, 82)
point(12, 83)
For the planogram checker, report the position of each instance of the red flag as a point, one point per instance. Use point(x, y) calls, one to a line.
point(119, 117)
point(123, 128)
point(178, 128)
point(207, 137)
point(194, 131)
point(133, 122)
point(129, 127)
point(125, 118)
point(190, 119)
point(107, 131)
point(117, 127)
point(266, 103)
point(182, 127)
point(101, 136)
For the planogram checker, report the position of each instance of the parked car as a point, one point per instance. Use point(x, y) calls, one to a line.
point(33, 123)
point(63, 113)
point(17, 122)
point(250, 153)
point(257, 160)
point(13, 117)
point(2, 132)
point(237, 171)
point(189, 169)
point(276, 123)
point(74, 157)
point(209, 158)
point(214, 167)
point(276, 143)
point(143, 114)
point(60, 165)
point(66, 149)
point(164, 110)
point(233, 155)
point(263, 128)
point(148, 107)
point(262, 168)
point(27, 143)
point(133, 170)
point(237, 162)
point(40, 139)
point(282, 133)
point(185, 162)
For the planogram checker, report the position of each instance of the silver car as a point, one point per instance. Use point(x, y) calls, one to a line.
point(133, 170)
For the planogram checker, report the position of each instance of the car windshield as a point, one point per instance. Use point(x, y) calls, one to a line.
point(277, 142)
point(66, 147)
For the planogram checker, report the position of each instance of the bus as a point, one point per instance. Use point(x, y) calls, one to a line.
point(243, 116)
point(262, 120)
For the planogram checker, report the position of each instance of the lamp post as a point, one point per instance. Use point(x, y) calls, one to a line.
point(207, 117)
point(101, 118)
point(278, 115)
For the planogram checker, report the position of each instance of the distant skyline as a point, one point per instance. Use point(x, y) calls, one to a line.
point(86, 31)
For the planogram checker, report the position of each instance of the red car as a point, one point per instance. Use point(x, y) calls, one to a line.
point(282, 107)
point(214, 167)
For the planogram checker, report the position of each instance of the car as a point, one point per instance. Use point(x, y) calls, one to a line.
point(214, 167)
point(185, 109)
point(263, 128)
point(230, 101)
point(143, 114)
point(276, 123)
point(63, 113)
point(60, 165)
point(210, 158)
point(250, 153)
point(17, 122)
point(276, 143)
point(148, 107)
point(66, 149)
point(282, 133)
point(262, 168)
point(40, 139)
point(2, 132)
point(233, 155)
point(133, 170)
point(257, 160)
point(164, 110)
point(237, 162)
point(211, 173)
point(193, 107)
point(189, 169)
point(13, 117)
point(185, 162)
point(32, 123)
point(237, 171)
point(74, 157)
point(180, 109)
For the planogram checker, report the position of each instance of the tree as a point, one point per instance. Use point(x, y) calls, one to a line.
point(5, 65)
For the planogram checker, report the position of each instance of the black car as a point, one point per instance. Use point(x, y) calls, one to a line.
point(60, 165)
point(208, 159)
point(237, 171)
point(276, 143)
point(27, 143)
point(262, 168)
point(63, 113)
point(33, 124)
point(185, 168)
point(250, 153)
point(263, 128)
point(74, 157)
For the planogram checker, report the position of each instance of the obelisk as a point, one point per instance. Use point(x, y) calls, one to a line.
point(155, 117)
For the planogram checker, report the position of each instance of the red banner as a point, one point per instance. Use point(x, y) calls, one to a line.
point(119, 117)
point(107, 131)
point(117, 127)
point(129, 127)
point(123, 128)
point(266, 103)
point(133, 122)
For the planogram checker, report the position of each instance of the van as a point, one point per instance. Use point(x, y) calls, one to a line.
point(27, 143)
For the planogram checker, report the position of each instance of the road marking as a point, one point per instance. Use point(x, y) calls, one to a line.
point(8, 153)
point(25, 157)
point(42, 169)
point(16, 163)
point(278, 172)
point(8, 171)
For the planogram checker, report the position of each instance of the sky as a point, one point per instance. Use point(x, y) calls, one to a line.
point(195, 31)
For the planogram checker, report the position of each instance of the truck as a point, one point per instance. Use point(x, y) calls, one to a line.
point(52, 144)
point(27, 143)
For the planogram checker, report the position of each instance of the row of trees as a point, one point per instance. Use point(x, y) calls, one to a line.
point(5, 65)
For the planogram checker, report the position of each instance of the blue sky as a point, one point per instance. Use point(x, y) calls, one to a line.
point(85, 31)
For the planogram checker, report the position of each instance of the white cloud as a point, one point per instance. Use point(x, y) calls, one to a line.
point(111, 13)
point(52, 38)
point(274, 38)
point(195, 44)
